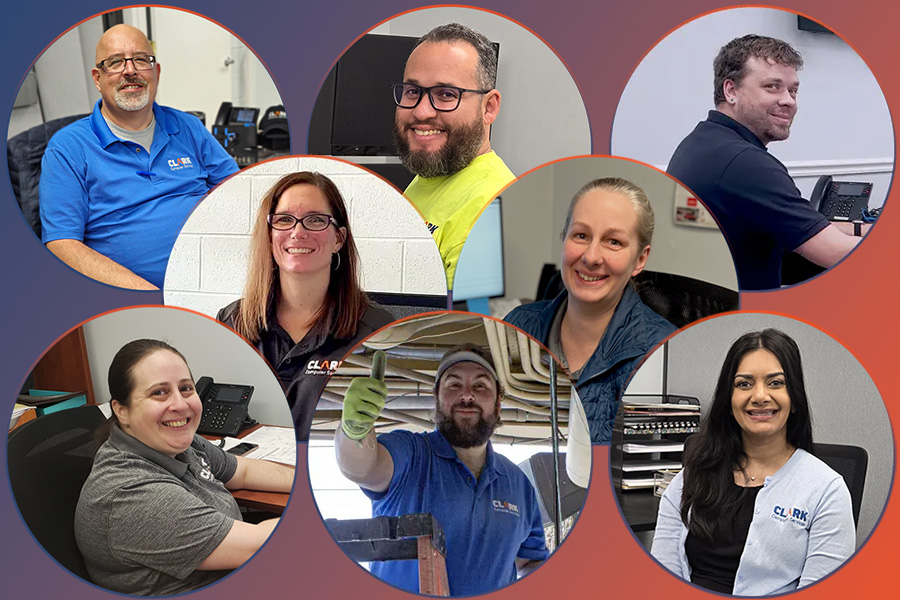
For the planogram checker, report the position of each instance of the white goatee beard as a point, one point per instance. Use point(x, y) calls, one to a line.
point(132, 102)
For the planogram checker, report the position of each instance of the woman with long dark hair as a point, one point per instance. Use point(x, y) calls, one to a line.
point(303, 307)
point(753, 512)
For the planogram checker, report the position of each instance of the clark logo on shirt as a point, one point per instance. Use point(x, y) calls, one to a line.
point(322, 367)
point(505, 507)
point(205, 472)
point(795, 515)
point(431, 227)
point(177, 164)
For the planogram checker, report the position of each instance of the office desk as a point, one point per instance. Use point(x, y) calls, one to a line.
point(273, 502)
point(269, 501)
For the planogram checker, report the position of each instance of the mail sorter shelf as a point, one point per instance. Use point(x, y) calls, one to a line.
point(648, 436)
point(660, 427)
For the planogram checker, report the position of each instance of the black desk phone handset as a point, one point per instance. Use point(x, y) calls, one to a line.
point(841, 200)
point(224, 406)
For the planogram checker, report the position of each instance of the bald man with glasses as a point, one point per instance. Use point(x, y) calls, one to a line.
point(445, 107)
point(117, 186)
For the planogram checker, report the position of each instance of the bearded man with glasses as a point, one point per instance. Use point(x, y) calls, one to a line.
point(117, 185)
point(445, 107)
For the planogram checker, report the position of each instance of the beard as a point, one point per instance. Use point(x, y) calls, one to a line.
point(461, 147)
point(469, 436)
point(131, 101)
point(758, 122)
point(778, 135)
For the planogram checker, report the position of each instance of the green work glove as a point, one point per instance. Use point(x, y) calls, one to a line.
point(364, 401)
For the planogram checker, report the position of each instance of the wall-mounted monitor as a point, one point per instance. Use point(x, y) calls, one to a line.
point(479, 272)
point(805, 24)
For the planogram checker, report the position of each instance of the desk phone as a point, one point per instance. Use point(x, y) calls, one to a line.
point(224, 406)
point(841, 200)
point(236, 129)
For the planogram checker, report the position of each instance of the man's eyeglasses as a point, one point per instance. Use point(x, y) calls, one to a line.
point(117, 65)
point(444, 98)
point(311, 222)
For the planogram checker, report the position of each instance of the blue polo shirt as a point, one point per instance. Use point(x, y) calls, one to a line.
point(751, 195)
point(119, 200)
point(487, 522)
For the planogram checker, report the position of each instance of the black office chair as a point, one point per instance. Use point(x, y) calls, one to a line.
point(49, 460)
point(678, 299)
point(851, 462)
point(550, 283)
point(23, 155)
point(797, 269)
point(683, 300)
point(407, 305)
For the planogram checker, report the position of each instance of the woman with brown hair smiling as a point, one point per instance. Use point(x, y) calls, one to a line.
point(303, 307)
point(155, 516)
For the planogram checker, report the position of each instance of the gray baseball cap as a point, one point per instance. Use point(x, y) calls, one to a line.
point(464, 355)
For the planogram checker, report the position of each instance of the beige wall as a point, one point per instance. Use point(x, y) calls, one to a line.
point(534, 212)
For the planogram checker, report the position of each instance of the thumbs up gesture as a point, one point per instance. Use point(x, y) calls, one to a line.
point(364, 400)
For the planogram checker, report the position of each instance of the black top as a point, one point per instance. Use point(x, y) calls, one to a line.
point(714, 564)
point(305, 366)
point(750, 194)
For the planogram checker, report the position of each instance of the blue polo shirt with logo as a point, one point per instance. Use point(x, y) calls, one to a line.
point(119, 200)
point(488, 522)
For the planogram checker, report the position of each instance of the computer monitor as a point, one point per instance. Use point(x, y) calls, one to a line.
point(354, 111)
point(479, 272)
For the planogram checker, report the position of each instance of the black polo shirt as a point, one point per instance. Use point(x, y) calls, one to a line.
point(750, 194)
point(304, 367)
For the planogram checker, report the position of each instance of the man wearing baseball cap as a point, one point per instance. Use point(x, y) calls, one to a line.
point(486, 505)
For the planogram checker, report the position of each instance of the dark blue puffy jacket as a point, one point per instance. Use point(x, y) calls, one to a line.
point(633, 331)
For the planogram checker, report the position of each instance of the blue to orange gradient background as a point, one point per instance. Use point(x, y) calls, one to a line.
point(601, 43)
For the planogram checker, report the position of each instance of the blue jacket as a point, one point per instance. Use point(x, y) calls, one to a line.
point(633, 331)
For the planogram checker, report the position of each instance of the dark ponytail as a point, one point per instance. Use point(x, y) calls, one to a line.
point(121, 374)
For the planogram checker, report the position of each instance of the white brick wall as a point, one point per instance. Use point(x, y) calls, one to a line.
point(208, 265)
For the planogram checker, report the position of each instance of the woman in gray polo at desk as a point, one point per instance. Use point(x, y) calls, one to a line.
point(155, 516)
point(753, 512)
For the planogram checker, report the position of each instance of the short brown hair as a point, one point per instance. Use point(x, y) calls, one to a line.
point(731, 61)
point(453, 33)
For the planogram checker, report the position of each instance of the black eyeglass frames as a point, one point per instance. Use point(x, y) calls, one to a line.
point(444, 98)
point(310, 222)
point(117, 64)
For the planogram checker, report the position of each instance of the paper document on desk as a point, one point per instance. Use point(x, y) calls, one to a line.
point(277, 444)
point(18, 411)
point(652, 446)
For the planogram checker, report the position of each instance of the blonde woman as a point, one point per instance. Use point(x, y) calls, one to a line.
point(598, 327)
